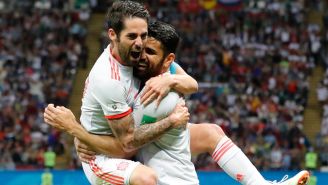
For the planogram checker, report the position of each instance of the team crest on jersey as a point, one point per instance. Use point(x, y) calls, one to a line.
point(122, 165)
point(114, 107)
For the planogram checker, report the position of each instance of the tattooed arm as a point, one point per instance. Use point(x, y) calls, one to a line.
point(63, 119)
point(132, 137)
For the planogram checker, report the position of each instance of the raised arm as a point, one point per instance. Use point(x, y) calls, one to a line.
point(157, 87)
point(185, 84)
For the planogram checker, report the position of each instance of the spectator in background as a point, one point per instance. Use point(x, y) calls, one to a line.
point(322, 93)
point(46, 177)
point(49, 158)
point(311, 159)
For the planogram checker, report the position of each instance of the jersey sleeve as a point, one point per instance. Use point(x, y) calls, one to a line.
point(173, 67)
point(111, 96)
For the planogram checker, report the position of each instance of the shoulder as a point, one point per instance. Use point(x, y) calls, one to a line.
point(105, 87)
point(173, 67)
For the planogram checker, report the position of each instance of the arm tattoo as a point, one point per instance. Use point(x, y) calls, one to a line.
point(149, 132)
point(139, 136)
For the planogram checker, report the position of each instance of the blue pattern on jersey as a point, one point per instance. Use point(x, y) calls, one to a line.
point(173, 67)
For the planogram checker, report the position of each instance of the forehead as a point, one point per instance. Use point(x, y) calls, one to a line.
point(154, 44)
point(135, 25)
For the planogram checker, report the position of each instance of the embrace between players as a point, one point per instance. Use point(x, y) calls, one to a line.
point(119, 120)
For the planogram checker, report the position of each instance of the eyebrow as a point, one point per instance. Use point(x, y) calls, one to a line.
point(151, 50)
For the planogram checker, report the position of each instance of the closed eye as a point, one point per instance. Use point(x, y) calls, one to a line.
point(132, 36)
point(150, 51)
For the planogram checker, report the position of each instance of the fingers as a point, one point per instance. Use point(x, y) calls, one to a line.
point(159, 99)
point(85, 158)
point(51, 108)
point(54, 116)
point(150, 99)
point(48, 121)
point(49, 111)
point(83, 152)
point(182, 102)
point(48, 116)
point(148, 96)
point(68, 113)
point(143, 96)
point(83, 148)
point(53, 123)
point(152, 95)
point(64, 109)
point(52, 111)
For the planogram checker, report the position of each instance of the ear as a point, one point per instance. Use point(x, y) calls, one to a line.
point(111, 34)
point(168, 61)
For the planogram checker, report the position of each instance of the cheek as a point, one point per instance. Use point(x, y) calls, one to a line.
point(155, 69)
point(124, 48)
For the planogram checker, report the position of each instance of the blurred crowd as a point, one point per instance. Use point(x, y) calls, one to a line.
point(41, 45)
point(252, 62)
point(322, 95)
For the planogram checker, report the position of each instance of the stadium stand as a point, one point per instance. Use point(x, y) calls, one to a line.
point(41, 46)
point(322, 95)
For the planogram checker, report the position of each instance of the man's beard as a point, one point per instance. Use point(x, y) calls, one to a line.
point(124, 54)
point(149, 73)
point(141, 76)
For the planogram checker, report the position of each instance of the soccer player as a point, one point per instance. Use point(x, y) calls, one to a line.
point(205, 137)
point(208, 138)
point(109, 94)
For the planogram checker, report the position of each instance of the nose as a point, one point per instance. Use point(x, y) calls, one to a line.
point(139, 43)
point(143, 55)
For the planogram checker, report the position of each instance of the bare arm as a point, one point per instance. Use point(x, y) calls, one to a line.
point(133, 138)
point(158, 87)
point(63, 119)
point(185, 84)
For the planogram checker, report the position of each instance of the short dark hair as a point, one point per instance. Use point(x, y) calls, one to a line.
point(166, 34)
point(124, 9)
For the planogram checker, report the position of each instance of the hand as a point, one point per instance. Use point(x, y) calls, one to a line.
point(156, 88)
point(84, 153)
point(180, 115)
point(59, 117)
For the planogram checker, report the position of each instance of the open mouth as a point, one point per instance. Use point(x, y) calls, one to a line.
point(142, 66)
point(135, 54)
